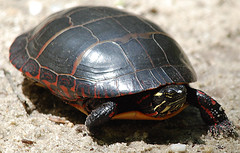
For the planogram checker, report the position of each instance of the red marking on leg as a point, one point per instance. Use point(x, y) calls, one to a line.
point(111, 114)
point(209, 113)
point(143, 98)
point(213, 101)
point(202, 93)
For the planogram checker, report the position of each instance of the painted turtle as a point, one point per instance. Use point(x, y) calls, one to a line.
point(110, 64)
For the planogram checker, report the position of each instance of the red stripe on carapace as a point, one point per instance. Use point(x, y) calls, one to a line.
point(79, 59)
point(75, 65)
point(48, 42)
point(43, 47)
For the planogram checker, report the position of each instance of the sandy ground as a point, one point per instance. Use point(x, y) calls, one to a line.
point(209, 33)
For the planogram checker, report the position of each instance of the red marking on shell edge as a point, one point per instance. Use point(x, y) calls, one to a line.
point(48, 84)
point(106, 95)
point(50, 78)
point(74, 86)
point(30, 76)
point(83, 93)
point(65, 90)
point(65, 80)
point(123, 94)
point(20, 67)
point(74, 92)
point(95, 92)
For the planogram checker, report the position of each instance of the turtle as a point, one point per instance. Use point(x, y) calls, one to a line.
point(111, 64)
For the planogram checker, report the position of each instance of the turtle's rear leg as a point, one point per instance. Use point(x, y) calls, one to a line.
point(100, 115)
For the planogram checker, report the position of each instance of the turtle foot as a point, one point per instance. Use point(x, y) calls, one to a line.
point(100, 115)
point(225, 128)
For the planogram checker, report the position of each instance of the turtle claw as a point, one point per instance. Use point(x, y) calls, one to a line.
point(224, 128)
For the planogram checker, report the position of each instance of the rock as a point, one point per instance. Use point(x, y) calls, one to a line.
point(178, 148)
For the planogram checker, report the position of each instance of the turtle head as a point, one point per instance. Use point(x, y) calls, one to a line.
point(169, 99)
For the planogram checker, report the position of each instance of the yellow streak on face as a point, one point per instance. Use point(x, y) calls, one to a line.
point(158, 94)
point(168, 96)
point(177, 101)
point(165, 109)
point(158, 105)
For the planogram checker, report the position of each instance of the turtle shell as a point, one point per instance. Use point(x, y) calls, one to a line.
point(100, 52)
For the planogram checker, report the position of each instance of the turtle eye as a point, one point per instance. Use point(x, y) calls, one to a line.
point(171, 91)
point(174, 91)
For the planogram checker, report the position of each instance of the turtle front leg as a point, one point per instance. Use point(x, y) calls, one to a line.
point(100, 115)
point(211, 112)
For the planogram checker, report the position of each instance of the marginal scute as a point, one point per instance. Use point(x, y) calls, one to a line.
point(31, 67)
point(47, 76)
point(66, 80)
point(18, 46)
point(85, 88)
